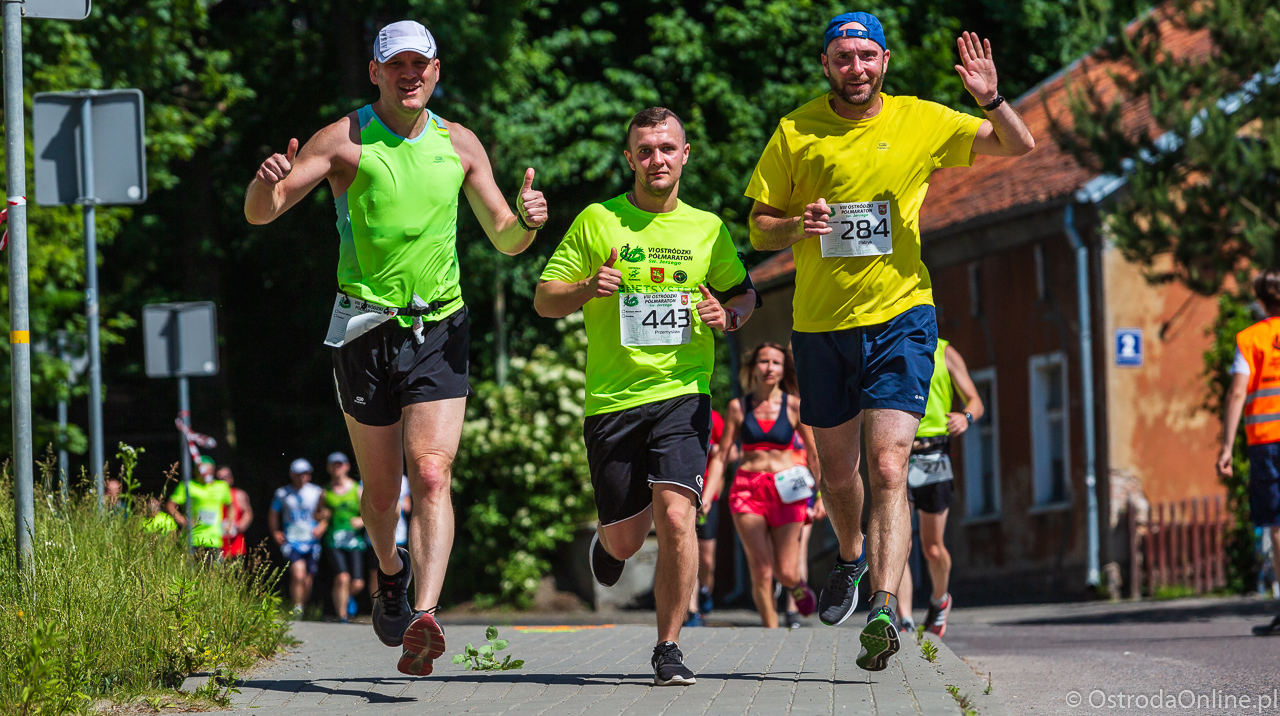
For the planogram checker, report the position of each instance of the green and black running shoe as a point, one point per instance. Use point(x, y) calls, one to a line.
point(879, 640)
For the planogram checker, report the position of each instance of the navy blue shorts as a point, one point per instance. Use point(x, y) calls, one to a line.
point(885, 366)
point(1264, 484)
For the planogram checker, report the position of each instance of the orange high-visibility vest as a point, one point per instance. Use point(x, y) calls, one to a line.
point(1260, 346)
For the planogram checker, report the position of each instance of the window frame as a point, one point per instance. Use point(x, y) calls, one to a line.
point(973, 477)
point(1039, 421)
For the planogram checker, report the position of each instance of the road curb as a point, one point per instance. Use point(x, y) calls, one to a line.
point(953, 671)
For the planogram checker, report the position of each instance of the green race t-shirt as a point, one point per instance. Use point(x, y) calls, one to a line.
point(934, 421)
point(344, 507)
point(206, 510)
point(663, 258)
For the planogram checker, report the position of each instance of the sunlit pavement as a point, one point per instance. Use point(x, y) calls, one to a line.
point(1043, 658)
point(604, 669)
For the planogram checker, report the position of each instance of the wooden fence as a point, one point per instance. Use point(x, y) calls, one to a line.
point(1179, 545)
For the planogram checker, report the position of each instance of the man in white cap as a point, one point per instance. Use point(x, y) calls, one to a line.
point(296, 531)
point(399, 325)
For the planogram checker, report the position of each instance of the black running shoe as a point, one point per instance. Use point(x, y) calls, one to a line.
point(606, 568)
point(1272, 629)
point(879, 640)
point(791, 620)
point(391, 613)
point(668, 666)
point(840, 593)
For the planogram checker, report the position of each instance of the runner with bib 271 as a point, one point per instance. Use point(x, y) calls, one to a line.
point(638, 265)
point(841, 183)
point(398, 327)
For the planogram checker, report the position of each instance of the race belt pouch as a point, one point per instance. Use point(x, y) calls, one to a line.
point(353, 317)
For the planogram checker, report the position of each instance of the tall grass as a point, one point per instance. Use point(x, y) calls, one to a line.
point(110, 610)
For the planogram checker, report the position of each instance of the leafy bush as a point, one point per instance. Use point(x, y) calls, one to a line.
point(107, 609)
point(521, 482)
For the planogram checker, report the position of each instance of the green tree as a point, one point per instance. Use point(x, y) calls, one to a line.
point(160, 47)
point(1203, 177)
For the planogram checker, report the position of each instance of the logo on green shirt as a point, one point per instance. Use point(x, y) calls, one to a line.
point(631, 300)
point(632, 255)
point(680, 276)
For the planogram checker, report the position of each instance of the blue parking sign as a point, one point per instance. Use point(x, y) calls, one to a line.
point(1129, 346)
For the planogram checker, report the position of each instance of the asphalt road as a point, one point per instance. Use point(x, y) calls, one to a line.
point(1110, 655)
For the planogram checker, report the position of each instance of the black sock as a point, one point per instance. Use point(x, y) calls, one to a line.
point(884, 599)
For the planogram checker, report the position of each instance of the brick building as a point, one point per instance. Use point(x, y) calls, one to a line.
point(1012, 246)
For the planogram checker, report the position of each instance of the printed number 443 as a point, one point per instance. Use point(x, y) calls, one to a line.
point(863, 229)
point(673, 318)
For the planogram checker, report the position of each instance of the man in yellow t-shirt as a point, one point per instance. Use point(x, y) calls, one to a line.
point(841, 182)
point(642, 267)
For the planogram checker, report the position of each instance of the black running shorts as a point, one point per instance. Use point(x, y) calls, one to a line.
point(377, 374)
point(933, 498)
point(707, 525)
point(657, 443)
point(348, 561)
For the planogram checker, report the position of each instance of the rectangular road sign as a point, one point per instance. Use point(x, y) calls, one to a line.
point(56, 9)
point(1129, 347)
point(119, 147)
point(180, 339)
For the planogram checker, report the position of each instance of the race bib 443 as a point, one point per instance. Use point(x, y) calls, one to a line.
point(655, 319)
point(859, 229)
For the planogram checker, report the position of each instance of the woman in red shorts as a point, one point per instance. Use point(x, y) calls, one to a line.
point(770, 495)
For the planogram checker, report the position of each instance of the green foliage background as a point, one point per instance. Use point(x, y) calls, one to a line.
point(544, 83)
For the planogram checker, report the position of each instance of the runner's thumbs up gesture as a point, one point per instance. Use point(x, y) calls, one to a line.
point(278, 166)
point(710, 310)
point(607, 280)
point(814, 222)
point(531, 204)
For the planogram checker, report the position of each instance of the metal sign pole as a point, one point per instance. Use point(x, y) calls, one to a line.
point(64, 475)
point(89, 203)
point(184, 412)
point(19, 319)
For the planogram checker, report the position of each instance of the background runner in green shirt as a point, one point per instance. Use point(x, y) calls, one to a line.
point(208, 496)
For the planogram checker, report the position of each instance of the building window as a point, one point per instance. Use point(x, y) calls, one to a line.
point(1050, 446)
point(975, 289)
point(982, 453)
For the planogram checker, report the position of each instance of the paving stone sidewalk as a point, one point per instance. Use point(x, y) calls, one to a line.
point(343, 669)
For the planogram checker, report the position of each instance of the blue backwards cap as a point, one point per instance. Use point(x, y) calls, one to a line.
point(874, 31)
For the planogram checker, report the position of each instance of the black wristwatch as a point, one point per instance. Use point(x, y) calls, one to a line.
point(524, 225)
point(999, 100)
point(969, 417)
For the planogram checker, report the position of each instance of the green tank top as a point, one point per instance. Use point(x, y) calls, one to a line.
point(934, 422)
point(344, 507)
point(398, 221)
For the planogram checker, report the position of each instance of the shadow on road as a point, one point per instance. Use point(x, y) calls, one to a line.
point(1153, 614)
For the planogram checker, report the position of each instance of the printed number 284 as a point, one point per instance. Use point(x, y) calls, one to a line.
point(863, 229)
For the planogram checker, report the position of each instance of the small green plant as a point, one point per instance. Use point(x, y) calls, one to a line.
point(919, 633)
point(485, 658)
point(987, 691)
point(219, 687)
point(965, 703)
point(929, 651)
point(128, 457)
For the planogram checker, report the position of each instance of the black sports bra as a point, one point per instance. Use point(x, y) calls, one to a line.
point(777, 437)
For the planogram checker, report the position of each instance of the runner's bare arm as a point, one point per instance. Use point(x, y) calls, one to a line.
point(283, 179)
point(957, 423)
point(246, 511)
point(557, 299)
point(810, 447)
point(487, 201)
point(1004, 134)
point(773, 230)
point(713, 482)
point(172, 508)
point(273, 526)
point(732, 422)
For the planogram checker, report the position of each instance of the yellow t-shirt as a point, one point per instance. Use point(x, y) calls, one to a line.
point(881, 165)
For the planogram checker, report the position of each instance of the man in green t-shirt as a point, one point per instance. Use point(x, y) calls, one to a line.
point(650, 352)
point(929, 478)
point(208, 496)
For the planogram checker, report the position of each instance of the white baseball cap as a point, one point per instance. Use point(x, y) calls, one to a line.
point(404, 36)
point(300, 466)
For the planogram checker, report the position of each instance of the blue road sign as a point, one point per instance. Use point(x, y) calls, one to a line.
point(1129, 347)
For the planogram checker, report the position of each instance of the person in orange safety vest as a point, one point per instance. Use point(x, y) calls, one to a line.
point(1255, 394)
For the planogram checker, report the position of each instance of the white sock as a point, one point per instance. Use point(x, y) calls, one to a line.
point(938, 602)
